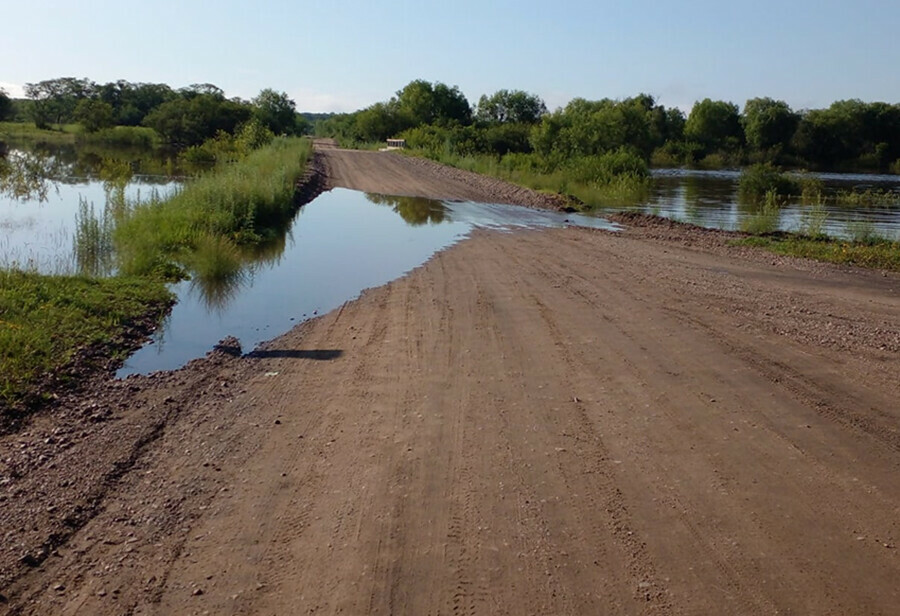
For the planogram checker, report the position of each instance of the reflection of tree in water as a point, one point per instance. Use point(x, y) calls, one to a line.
point(414, 210)
point(29, 176)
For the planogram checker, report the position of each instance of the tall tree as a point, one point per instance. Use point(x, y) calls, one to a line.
point(5, 105)
point(768, 123)
point(276, 111)
point(510, 106)
point(54, 100)
point(716, 125)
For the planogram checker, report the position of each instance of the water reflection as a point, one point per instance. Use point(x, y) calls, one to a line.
point(57, 211)
point(30, 176)
point(414, 210)
point(710, 199)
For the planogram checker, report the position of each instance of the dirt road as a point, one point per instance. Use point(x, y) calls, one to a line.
point(553, 422)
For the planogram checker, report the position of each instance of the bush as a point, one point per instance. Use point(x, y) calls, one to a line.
point(609, 167)
point(758, 180)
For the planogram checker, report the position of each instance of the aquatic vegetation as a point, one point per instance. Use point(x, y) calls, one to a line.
point(245, 202)
point(813, 221)
point(765, 218)
point(868, 198)
point(757, 181)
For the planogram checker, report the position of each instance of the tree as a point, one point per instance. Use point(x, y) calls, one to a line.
point(716, 125)
point(131, 102)
point(192, 120)
point(505, 106)
point(5, 105)
point(276, 111)
point(55, 99)
point(768, 123)
point(420, 102)
point(93, 114)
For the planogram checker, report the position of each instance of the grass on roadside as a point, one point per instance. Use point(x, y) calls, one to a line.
point(611, 179)
point(46, 320)
point(241, 203)
point(881, 254)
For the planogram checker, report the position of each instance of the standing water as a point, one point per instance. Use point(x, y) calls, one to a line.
point(710, 199)
point(340, 244)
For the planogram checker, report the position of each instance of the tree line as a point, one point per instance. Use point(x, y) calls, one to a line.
point(182, 117)
point(849, 134)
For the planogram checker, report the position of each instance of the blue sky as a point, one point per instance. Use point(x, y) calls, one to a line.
point(344, 55)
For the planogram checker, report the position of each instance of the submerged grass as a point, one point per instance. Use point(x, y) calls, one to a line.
point(241, 203)
point(46, 320)
point(764, 218)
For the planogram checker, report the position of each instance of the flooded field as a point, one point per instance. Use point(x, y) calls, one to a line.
point(45, 194)
point(710, 199)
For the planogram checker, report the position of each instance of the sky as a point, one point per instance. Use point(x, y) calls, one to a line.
point(344, 55)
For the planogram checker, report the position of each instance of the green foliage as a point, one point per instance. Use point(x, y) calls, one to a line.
point(608, 167)
point(758, 180)
point(764, 219)
point(6, 106)
point(881, 254)
point(196, 117)
point(868, 198)
point(122, 136)
point(54, 100)
point(243, 202)
point(46, 320)
point(421, 102)
point(275, 111)
point(813, 221)
point(93, 114)
point(768, 124)
point(513, 107)
point(863, 232)
point(715, 125)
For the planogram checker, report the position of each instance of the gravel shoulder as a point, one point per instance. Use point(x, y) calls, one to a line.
point(566, 421)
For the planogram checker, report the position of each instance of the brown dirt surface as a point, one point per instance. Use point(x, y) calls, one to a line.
point(395, 174)
point(541, 422)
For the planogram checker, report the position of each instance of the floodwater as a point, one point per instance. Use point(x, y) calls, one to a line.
point(39, 207)
point(340, 244)
point(710, 199)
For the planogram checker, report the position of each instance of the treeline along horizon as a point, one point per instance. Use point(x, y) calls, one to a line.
point(184, 117)
point(847, 135)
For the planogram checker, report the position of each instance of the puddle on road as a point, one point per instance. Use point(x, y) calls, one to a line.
point(340, 244)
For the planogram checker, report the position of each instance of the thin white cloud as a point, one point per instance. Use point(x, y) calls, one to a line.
point(13, 89)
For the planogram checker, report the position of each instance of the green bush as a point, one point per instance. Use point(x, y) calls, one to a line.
point(758, 180)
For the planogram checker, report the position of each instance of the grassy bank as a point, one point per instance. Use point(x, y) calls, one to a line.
point(878, 254)
point(46, 321)
point(57, 329)
point(202, 226)
point(615, 178)
point(27, 132)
